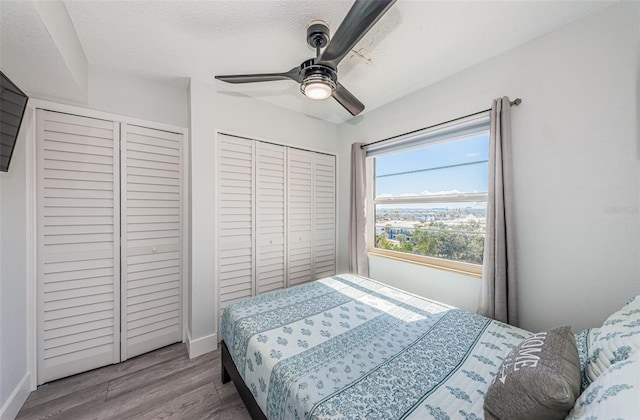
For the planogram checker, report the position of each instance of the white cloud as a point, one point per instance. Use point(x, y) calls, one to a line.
point(426, 192)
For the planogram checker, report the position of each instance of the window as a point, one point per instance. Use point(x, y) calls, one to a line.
point(430, 197)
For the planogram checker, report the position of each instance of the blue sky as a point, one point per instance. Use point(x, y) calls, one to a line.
point(470, 178)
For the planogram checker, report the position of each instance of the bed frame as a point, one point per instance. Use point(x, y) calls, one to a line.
point(230, 373)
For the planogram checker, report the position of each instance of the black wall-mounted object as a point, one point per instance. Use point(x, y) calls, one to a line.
point(13, 103)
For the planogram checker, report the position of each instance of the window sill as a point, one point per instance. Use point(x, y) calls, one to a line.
point(473, 270)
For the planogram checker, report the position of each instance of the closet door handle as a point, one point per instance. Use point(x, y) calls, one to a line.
point(154, 249)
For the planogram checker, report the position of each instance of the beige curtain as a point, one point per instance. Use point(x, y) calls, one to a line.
point(498, 291)
point(358, 262)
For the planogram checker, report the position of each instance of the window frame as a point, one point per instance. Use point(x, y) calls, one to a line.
point(465, 268)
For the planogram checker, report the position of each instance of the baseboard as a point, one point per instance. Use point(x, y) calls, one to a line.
point(14, 403)
point(201, 345)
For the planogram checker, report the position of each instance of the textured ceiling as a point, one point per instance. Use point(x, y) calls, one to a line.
point(28, 50)
point(414, 45)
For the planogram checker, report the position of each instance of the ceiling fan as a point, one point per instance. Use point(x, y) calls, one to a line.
point(318, 77)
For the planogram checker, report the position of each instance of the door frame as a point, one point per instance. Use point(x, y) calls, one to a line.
point(32, 213)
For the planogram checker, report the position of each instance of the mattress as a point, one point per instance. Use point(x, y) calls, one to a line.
point(351, 347)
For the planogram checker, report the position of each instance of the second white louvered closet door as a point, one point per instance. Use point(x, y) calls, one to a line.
point(270, 217)
point(300, 216)
point(151, 239)
point(236, 219)
point(78, 244)
point(324, 221)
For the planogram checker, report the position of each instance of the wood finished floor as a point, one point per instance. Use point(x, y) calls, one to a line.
point(164, 384)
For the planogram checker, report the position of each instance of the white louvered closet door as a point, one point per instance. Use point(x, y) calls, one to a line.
point(270, 217)
point(236, 219)
point(300, 216)
point(324, 215)
point(151, 166)
point(78, 244)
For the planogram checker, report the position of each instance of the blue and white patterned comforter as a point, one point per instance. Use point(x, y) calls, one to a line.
point(350, 347)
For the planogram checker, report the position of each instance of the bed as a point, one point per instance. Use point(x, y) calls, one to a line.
point(353, 348)
point(331, 348)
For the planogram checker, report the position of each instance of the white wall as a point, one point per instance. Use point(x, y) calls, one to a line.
point(132, 96)
point(14, 375)
point(444, 286)
point(576, 164)
point(211, 111)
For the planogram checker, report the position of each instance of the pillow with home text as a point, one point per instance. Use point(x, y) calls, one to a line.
point(539, 379)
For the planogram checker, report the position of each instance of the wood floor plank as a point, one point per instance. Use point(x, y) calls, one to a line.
point(164, 384)
point(60, 407)
point(235, 411)
point(146, 396)
point(231, 405)
point(143, 377)
point(67, 386)
point(226, 391)
point(195, 404)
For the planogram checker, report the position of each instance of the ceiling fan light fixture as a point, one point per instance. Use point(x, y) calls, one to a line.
point(318, 86)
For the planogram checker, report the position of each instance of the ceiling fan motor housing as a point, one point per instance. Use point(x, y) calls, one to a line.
point(309, 68)
point(312, 73)
point(318, 34)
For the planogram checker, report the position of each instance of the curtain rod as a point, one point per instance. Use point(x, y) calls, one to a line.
point(515, 102)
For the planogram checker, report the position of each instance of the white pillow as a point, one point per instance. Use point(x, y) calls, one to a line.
point(614, 395)
point(617, 339)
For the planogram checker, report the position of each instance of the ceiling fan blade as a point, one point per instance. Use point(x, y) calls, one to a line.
point(347, 100)
point(361, 17)
point(293, 74)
